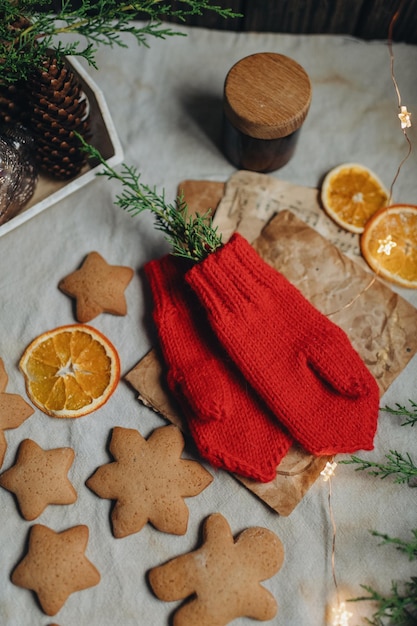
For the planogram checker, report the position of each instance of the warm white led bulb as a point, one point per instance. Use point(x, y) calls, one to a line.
point(404, 117)
point(328, 470)
point(341, 615)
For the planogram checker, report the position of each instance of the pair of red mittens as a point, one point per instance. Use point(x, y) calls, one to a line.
point(266, 347)
point(229, 423)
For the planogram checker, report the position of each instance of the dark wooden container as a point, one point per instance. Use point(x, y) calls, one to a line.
point(266, 100)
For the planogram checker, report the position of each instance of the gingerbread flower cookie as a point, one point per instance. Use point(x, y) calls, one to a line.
point(223, 576)
point(149, 481)
point(39, 478)
point(14, 410)
point(55, 566)
point(97, 287)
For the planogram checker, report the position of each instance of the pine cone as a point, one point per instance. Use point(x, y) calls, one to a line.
point(58, 108)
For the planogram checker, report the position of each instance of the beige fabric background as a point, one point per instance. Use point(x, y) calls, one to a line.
point(166, 105)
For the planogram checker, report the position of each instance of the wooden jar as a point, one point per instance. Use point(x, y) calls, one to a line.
point(266, 100)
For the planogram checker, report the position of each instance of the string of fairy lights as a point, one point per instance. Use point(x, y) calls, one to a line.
point(404, 115)
point(340, 614)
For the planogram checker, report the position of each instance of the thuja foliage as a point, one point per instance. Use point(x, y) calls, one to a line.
point(400, 466)
point(409, 413)
point(400, 606)
point(28, 28)
point(191, 236)
point(408, 547)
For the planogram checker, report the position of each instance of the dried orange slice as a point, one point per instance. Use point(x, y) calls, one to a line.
point(389, 244)
point(70, 371)
point(351, 194)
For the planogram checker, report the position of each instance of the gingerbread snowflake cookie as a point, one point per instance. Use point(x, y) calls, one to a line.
point(222, 576)
point(149, 481)
point(14, 410)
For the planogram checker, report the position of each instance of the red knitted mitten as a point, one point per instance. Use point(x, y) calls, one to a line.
point(230, 425)
point(300, 362)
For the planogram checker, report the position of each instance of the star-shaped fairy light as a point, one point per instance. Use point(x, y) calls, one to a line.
point(328, 470)
point(386, 245)
point(149, 481)
point(97, 287)
point(14, 410)
point(55, 566)
point(222, 578)
point(404, 117)
point(39, 478)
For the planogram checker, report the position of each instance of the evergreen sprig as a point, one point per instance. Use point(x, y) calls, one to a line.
point(408, 547)
point(191, 236)
point(410, 414)
point(400, 607)
point(28, 28)
point(399, 465)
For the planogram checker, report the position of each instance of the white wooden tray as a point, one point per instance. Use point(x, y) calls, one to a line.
point(104, 137)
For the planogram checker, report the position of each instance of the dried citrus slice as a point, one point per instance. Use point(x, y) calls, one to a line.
point(351, 194)
point(70, 371)
point(389, 244)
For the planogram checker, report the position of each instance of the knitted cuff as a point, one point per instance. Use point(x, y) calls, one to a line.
point(232, 276)
point(166, 280)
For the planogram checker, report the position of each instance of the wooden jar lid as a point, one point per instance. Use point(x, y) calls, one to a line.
point(267, 95)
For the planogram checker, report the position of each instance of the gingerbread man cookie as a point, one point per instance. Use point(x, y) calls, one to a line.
point(223, 576)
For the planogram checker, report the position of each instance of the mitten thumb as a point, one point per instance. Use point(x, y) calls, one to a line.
point(335, 361)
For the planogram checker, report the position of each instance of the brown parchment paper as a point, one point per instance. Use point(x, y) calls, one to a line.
point(381, 324)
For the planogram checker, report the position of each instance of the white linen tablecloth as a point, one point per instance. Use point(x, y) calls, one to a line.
point(165, 101)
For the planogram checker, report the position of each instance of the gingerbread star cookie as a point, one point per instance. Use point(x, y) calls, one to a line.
point(55, 566)
point(39, 478)
point(14, 410)
point(97, 287)
point(223, 576)
point(149, 481)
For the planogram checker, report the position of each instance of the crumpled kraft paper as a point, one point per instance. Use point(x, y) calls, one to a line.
point(380, 324)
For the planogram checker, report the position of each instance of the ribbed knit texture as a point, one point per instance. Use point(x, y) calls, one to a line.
point(300, 362)
point(231, 426)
